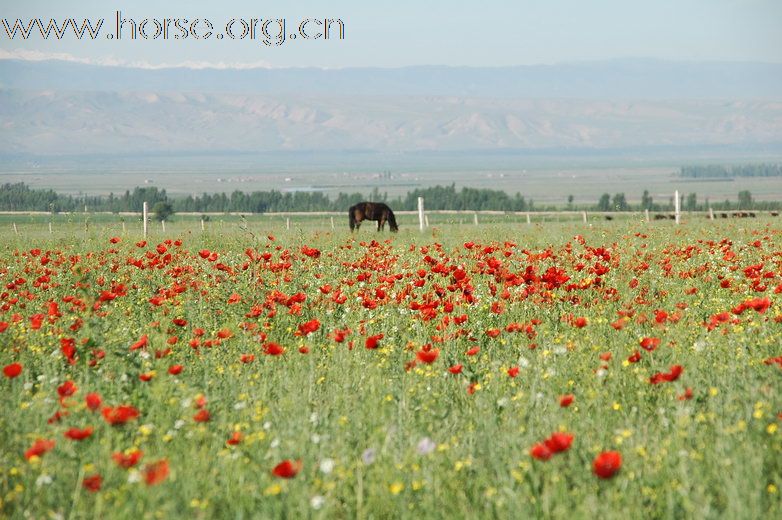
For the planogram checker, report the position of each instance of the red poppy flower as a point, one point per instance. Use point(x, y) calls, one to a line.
point(156, 472)
point(339, 335)
point(38, 448)
point(287, 468)
point(273, 349)
point(127, 460)
point(559, 442)
point(650, 344)
point(308, 327)
point(372, 342)
point(427, 354)
point(686, 395)
point(580, 322)
point(36, 320)
point(13, 370)
point(224, 333)
point(607, 464)
point(68, 349)
point(635, 357)
point(175, 370)
point(456, 369)
point(76, 434)
point(513, 371)
point(760, 305)
point(473, 351)
point(202, 415)
point(146, 377)
point(120, 414)
point(672, 375)
point(310, 251)
point(247, 358)
point(92, 483)
point(93, 401)
point(566, 400)
point(236, 438)
point(141, 343)
point(540, 451)
point(493, 333)
point(66, 389)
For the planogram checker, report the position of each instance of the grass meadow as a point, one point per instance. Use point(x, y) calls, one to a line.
point(560, 369)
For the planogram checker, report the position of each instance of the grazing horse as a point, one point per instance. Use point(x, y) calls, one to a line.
point(372, 211)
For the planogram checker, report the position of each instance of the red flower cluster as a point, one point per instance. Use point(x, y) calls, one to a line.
point(287, 468)
point(556, 443)
point(672, 375)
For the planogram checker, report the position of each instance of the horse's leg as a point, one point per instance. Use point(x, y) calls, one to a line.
point(382, 223)
point(378, 223)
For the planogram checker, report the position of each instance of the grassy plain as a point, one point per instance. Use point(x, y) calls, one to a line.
point(393, 431)
point(547, 179)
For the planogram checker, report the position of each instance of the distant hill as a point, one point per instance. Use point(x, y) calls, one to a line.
point(614, 79)
point(68, 108)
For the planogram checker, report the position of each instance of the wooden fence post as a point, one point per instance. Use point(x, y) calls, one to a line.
point(677, 213)
point(144, 216)
point(421, 220)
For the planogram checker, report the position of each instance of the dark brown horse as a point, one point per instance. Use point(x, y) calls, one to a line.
point(372, 211)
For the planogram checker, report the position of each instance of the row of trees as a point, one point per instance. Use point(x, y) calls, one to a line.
point(20, 197)
point(720, 171)
point(688, 202)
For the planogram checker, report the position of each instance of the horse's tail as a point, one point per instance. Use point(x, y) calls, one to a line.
point(392, 221)
point(352, 218)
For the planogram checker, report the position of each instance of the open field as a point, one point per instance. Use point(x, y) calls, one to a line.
point(547, 180)
point(506, 370)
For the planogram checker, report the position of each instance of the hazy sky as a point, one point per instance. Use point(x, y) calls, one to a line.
point(417, 32)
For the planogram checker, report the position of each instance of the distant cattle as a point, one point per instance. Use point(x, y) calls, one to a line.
point(775, 213)
point(609, 217)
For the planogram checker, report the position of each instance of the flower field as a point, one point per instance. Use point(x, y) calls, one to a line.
point(494, 371)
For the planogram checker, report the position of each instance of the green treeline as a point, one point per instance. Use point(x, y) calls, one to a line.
point(20, 197)
point(719, 171)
